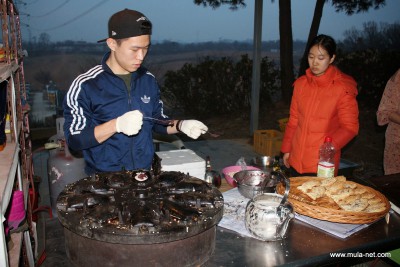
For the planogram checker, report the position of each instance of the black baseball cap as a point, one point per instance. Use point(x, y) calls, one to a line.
point(127, 23)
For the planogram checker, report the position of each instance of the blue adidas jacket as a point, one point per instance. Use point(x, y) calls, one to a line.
point(98, 96)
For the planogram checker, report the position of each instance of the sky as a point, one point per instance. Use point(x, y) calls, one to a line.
point(183, 21)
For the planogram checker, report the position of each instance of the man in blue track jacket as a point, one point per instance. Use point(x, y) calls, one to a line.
point(106, 109)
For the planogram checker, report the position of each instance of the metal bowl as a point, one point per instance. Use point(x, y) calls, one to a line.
point(254, 182)
point(230, 171)
point(263, 162)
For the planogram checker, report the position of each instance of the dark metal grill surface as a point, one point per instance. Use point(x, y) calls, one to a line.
point(137, 207)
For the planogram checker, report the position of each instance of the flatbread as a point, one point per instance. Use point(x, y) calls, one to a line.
point(377, 207)
point(367, 195)
point(328, 181)
point(373, 201)
point(347, 195)
point(360, 191)
point(341, 194)
point(357, 205)
point(349, 185)
point(316, 192)
point(335, 187)
point(308, 185)
point(341, 178)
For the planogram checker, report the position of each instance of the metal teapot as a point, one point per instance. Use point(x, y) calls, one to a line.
point(268, 215)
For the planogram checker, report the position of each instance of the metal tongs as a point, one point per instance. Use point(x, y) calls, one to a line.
point(158, 121)
point(171, 123)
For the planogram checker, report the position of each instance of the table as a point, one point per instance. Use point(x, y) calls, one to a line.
point(305, 245)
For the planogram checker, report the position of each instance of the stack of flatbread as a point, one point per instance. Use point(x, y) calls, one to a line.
point(348, 196)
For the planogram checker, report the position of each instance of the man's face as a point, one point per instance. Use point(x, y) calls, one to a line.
point(128, 54)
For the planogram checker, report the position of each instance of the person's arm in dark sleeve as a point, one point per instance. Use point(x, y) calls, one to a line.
point(78, 131)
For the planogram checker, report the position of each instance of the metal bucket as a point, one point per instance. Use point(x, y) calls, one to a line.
point(192, 251)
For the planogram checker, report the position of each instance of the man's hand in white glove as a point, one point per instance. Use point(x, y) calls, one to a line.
point(192, 128)
point(130, 123)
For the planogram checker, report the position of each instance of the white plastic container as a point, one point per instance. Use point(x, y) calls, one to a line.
point(183, 160)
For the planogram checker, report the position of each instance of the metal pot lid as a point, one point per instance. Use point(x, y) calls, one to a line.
point(137, 207)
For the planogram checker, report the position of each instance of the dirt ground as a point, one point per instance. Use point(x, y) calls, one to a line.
point(366, 149)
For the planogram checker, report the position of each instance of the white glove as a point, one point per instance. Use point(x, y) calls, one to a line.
point(130, 123)
point(192, 128)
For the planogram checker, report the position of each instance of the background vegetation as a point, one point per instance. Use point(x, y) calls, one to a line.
point(215, 78)
point(222, 86)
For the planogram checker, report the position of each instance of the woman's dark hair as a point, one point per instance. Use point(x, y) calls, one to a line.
point(327, 42)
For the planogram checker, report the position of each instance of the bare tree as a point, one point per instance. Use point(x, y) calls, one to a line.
point(44, 39)
point(383, 37)
point(285, 30)
point(234, 4)
point(286, 49)
point(43, 77)
point(286, 39)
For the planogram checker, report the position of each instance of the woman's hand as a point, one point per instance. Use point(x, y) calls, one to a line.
point(286, 159)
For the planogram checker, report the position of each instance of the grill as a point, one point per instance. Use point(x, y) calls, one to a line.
point(136, 216)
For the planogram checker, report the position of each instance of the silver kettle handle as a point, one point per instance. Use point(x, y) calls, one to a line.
point(286, 180)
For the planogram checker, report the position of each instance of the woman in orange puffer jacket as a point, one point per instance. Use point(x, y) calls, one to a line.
point(323, 104)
